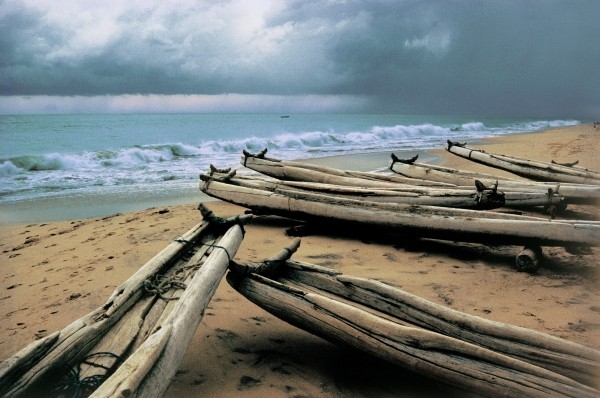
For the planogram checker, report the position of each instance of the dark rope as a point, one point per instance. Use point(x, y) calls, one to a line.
point(74, 386)
point(219, 247)
point(550, 208)
point(161, 284)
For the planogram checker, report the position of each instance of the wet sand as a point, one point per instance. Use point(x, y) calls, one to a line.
point(52, 273)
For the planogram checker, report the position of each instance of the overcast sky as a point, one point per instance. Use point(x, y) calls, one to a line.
point(484, 58)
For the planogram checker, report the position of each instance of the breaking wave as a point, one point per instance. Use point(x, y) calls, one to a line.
point(168, 162)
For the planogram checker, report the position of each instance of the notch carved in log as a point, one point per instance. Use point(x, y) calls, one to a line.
point(396, 159)
point(260, 155)
point(488, 198)
point(268, 266)
point(455, 143)
point(214, 170)
point(211, 217)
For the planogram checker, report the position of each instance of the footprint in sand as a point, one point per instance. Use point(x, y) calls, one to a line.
point(201, 378)
point(225, 334)
point(259, 320)
point(248, 382)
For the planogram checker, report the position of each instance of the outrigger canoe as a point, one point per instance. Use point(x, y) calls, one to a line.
point(572, 193)
point(484, 357)
point(133, 344)
point(534, 170)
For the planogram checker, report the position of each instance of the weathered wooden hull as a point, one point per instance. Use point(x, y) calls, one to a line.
point(572, 193)
point(426, 221)
point(482, 356)
point(451, 196)
point(134, 343)
point(417, 195)
point(299, 171)
point(535, 170)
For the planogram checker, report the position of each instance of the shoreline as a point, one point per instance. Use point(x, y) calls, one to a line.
point(72, 206)
point(52, 273)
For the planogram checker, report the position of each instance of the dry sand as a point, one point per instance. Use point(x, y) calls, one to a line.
point(52, 273)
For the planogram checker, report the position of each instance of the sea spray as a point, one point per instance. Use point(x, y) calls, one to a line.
point(49, 156)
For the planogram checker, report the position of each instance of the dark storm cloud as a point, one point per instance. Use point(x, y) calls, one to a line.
point(514, 58)
point(531, 58)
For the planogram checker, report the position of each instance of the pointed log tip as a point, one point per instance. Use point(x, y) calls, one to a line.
point(267, 266)
point(209, 216)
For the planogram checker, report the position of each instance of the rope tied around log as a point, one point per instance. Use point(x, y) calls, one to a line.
point(552, 208)
point(74, 386)
point(160, 284)
point(219, 247)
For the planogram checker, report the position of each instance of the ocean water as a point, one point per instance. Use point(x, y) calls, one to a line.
point(90, 165)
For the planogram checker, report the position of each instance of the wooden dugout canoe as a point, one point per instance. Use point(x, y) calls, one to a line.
point(572, 193)
point(534, 170)
point(300, 171)
point(482, 356)
point(480, 198)
point(133, 344)
point(425, 221)
point(303, 172)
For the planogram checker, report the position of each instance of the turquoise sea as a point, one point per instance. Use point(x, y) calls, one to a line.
point(73, 166)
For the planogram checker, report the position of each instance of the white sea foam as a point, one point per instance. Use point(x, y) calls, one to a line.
point(7, 168)
point(129, 165)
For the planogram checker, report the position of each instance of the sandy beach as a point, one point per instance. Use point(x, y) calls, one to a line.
point(53, 273)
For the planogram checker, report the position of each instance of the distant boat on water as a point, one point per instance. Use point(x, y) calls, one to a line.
point(285, 116)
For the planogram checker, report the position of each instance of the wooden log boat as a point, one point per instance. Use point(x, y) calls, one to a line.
point(133, 343)
point(426, 221)
point(572, 193)
point(479, 198)
point(301, 171)
point(534, 170)
point(482, 356)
